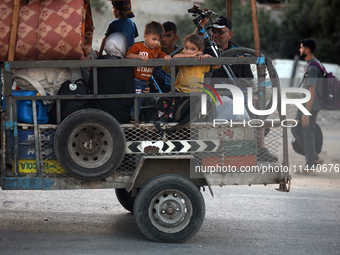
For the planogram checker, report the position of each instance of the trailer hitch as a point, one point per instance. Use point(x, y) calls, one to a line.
point(285, 187)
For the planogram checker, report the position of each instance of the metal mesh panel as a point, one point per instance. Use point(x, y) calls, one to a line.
point(240, 146)
point(50, 166)
point(236, 146)
point(146, 140)
point(226, 146)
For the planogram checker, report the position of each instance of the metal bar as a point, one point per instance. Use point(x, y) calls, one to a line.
point(285, 151)
point(296, 61)
point(95, 81)
point(36, 138)
point(135, 105)
point(128, 62)
point(58, 111)
point(7, 90)
point(173, 78)
point(3, 150)
point(16, 142)
point(261, 72)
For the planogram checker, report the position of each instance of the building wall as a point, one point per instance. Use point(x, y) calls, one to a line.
point(145, 11)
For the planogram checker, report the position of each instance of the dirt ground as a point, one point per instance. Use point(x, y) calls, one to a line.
point(329, 178)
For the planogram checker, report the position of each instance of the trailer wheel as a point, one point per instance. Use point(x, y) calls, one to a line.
point(90, 144)
point(169, 208)
point(125, 199)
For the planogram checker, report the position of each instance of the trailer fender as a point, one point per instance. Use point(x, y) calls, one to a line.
point(151, 166)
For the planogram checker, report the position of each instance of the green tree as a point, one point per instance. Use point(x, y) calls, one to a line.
point(98, 5)
point(316, 19)
point(242, 25)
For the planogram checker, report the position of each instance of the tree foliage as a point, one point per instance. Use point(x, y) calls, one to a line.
point(99, 5)
point(242, 25)
point(316, 19)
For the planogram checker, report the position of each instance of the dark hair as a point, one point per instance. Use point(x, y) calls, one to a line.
point(117, 4)
point(154, 27)
point(195, 39)
point(170, 26)
point(309, 43)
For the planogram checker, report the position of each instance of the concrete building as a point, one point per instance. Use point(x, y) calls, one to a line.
point(145, 11)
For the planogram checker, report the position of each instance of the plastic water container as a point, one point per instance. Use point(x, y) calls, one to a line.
point(26, 153)
point(26, 145)
point(25, 112)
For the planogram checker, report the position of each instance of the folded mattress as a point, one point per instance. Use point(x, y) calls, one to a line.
point(48, 29)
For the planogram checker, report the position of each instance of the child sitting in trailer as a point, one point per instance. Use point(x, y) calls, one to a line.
point(189, 78)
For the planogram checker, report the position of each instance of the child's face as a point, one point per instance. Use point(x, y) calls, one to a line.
point(190, 48)
point(115, 12)
point(151, 40)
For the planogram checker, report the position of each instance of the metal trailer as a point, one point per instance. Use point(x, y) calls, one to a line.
point(157, 175)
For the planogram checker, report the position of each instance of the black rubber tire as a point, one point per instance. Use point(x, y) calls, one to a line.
point(90, 144)
point(125, 199)
point(270, 70)
point(169, 208)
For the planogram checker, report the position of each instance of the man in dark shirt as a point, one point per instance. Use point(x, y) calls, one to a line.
point(221, 34)
point(304, 132)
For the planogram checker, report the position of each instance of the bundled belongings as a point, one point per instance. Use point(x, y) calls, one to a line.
point(43, 80)
point(48, 30)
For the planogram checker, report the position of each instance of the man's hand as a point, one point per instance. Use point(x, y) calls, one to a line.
point(204, 21)
point(305, 121)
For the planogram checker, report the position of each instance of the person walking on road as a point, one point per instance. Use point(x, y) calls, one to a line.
point(304, 132)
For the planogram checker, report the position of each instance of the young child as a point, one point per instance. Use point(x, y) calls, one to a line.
point(122, 11)
point(188, 77)
point(146, 50)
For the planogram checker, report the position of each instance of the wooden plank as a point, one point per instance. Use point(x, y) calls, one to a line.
point(229, 9)
point(14, 30)
point(255, 29)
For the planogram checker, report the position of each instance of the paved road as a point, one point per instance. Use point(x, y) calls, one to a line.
point(239, 220)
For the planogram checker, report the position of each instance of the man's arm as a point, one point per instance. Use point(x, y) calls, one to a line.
point(312, 82)
point(305, 118)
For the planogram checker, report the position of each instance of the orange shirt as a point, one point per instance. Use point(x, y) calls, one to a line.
point(145, 72)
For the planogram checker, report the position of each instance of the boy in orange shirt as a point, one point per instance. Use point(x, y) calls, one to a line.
point(146, 50)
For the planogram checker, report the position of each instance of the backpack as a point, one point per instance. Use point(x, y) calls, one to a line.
point(69, 106)
point(330, 99)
